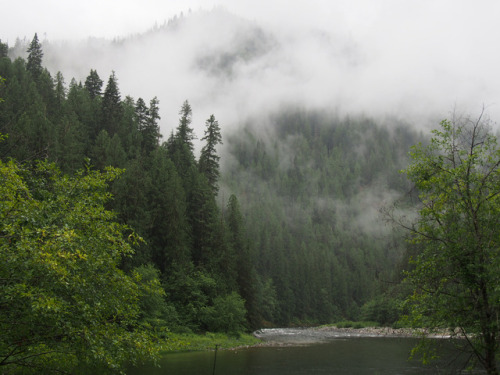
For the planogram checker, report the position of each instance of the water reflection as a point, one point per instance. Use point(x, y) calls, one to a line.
point(352, 355)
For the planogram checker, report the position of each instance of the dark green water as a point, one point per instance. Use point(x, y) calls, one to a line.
point(366, 355)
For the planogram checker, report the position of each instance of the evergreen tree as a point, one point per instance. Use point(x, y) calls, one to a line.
point(111, 106)
point(60, 91)
point(184, 130)
point(141, 114)
point(243, 267)
point(130, 202)
point(209, 160)
point(93, 84)
point(203, 217)
point(35, 54)
point(180, 146)
point(70, 143)
point(46, 89)
point(4, 49)
point(147, 120)
point(87, 113)
point(152, 134)
point(99, 151)
point(168, 230)
point(128, 129)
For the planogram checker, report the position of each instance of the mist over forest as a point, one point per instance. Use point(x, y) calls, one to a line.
point(238, 67)
point(254, 161)
point(314, 133)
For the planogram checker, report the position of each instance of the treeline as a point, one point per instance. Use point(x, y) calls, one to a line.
point(165, 195)
point(299, 242)
point(312, 186)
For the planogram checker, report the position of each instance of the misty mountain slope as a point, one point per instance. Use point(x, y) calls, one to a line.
point(238, 67)
point(311, 189)
point(310, 183)
point(222, 63)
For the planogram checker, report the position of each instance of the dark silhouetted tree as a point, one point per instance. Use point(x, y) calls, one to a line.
point(35, 55)
point(184, 130)
point(4, 49)
point(147, 123)
point(209, 160)
point(111, 106)
point(243, 267)
point(93, 84)
point(180, 146)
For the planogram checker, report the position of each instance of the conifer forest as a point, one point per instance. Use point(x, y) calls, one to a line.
point(113, 234)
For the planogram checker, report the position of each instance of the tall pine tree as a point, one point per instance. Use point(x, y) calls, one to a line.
point(93, 84)
point(243, 267)
point(209, 160)
point(4, 49)
point(184, 130)
point(147, 123)
point(35, 55)
point(180, 145)
point(111, 106)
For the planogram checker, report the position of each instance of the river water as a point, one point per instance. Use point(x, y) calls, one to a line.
point(304, 353)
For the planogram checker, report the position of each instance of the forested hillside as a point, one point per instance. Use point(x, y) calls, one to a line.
point(165, 195)
point(228, 170)
point(311, 187)
point(287, 232)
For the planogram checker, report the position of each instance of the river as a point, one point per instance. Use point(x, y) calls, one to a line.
point(298, 352)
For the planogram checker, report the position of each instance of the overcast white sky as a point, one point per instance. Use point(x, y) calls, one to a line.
point(110, 18)
point(415, 54)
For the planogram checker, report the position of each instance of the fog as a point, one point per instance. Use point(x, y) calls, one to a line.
point(413, 60)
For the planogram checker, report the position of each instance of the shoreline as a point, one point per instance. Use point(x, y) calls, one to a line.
point(306, 336)
point(387, 332)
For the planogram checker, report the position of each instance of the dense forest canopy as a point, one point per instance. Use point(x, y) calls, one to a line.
point(286, 232)
point(217, 173)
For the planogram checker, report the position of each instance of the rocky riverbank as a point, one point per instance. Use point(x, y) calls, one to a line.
point(304, 336)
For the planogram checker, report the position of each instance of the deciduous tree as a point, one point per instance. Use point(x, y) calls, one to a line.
point(64, 301)
point(456, 274)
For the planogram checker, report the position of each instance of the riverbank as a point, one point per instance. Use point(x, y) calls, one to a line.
point(305, 336)
point(382, 332)
point(186, 342)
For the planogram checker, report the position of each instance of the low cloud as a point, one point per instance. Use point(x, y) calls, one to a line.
point(415, 61)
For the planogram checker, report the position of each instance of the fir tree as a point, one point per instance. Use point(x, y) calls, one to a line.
point(35, 54)
point(209, 160)
point(111, 106)
point(184, 130)
point(147, 123)
point(141, 114)
point(180, 145)
point(60, 91)
point(93, 84)
point(243, 267)
point(4, 49)
point(153, 129)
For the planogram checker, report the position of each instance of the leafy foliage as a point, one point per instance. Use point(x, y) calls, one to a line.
point(227, 314)
point(456, 269)
point(63, 298)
